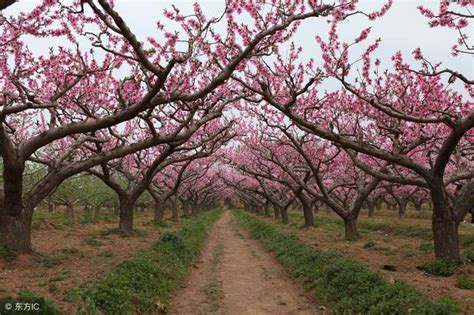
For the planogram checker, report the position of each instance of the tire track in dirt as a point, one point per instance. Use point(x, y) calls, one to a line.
point(236, 275)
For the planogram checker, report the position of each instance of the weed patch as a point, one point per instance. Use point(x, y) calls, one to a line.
point(468, 255)
point(91, 241)
point(70, 251)
point(440, 267)
point(49, 260)
point(426, 247)
point(464, 282)
point(7, 254)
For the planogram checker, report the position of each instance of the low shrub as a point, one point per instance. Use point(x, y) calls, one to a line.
point(443, 267)
point(468, 255)
point(144, 282)
point(49, 260)
point(346, 286)
point(7, 254)
point(70, 251)
point(369, 245)
point(465, 282)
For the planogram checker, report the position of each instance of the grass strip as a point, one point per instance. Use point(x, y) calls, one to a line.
point(345, 285)
point(144, 282)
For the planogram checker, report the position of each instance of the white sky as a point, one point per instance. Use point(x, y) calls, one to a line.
point(402, 28)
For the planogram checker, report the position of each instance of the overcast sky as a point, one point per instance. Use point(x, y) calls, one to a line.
point(403, 28)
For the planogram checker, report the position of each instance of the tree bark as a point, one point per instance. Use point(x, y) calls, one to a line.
point(15, 217)
point(159, 211)
point(284, 215)
point(445, 227)
point(402, 208)
point(126, 214)
point(371, 208)
point(174, 211)
point(378, 205)
point(350, 229)
point(308, 215)
point(276, 210)
point(185, 209)
point(267, 210)
point(15, 232)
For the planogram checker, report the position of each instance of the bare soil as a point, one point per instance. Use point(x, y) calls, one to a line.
point(236, 275)
point(402, 252)
point(71, 261)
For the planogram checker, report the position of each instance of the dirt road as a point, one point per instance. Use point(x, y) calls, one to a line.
point(235, 275)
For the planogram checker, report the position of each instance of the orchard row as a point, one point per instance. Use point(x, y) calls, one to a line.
point(227, 109)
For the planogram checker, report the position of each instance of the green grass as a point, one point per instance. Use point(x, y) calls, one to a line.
point(369, 245)
point(7, 254)
point(91, 241)
point(467, 240)
point(345, 285)
point(468, 255)
point(144, 282)
point(426, 247)
point(70, 251)
point(440, 267)
point(465, 282)
point(47, 307)
point(49, 260)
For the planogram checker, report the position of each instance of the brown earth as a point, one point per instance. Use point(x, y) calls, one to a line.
point(236, 275)
point(401, 252)
point(69, 260)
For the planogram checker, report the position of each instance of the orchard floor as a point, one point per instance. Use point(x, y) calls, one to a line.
point(68, 253)
point(386, 240)
point(236, 275)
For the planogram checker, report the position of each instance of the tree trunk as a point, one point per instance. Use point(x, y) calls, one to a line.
point(50, 204)
point(186, 209)
point(159, 211)
point(378, 205)
point(126, 214)
point(316, 208)
point(15, 218)
point(15, 232)
point(402, 208)
point(267, 210)
point(350, 229)
point(276, 210)
point(371, 208)
point(417, 205)
point(174, 211)
point(446, 238)
point(284, 215)
point(445, 227)
point(308, 215)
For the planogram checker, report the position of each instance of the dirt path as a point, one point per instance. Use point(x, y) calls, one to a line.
point(235, 275)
